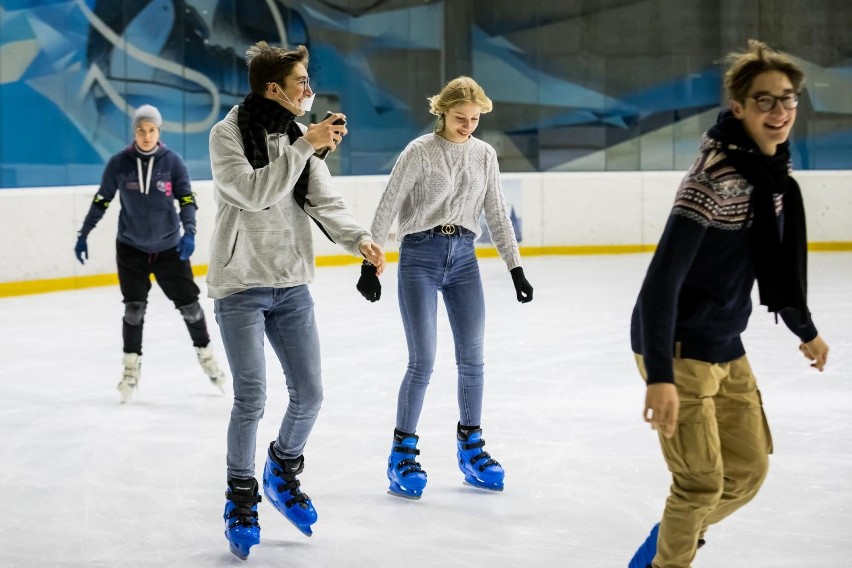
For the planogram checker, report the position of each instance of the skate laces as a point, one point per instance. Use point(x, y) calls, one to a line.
point(408, 465)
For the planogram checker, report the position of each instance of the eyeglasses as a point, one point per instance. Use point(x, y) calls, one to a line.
point(305, 83)
point(766, 103)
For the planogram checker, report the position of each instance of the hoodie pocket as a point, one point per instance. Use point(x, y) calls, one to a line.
point(263, 258)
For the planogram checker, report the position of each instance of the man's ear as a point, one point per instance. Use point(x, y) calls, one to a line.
point(737, 108)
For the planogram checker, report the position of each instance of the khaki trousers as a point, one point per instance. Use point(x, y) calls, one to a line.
point(718, 457)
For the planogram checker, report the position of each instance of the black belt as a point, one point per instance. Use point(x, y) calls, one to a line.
point(450, 230)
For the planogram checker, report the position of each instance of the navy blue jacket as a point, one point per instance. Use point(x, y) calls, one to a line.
point(696, 296)
point(148, 186)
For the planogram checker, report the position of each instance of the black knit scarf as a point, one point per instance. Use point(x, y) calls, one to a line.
point(257, 117)
point(779, 251)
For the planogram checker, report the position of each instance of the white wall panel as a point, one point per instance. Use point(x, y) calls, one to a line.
point(38, 226)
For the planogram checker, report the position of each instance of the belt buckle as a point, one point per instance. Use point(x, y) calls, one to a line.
point(448, 229)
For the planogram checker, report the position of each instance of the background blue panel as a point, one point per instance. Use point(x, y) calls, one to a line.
point(585, 85)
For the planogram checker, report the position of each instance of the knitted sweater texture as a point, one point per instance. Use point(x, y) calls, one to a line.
point(437, 182)
point(696, 297)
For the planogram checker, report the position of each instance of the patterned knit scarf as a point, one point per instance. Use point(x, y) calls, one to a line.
point(256, 118)
point(779, 245)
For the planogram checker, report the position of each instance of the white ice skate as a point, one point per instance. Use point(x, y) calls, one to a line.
point(130, 377)
point(208, 363)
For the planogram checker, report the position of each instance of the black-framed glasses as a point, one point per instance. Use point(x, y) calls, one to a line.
point(766, 103)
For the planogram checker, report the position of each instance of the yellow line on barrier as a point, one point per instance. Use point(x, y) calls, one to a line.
point(27, 287)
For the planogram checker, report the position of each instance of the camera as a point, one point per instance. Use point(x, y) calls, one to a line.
point(323, 152)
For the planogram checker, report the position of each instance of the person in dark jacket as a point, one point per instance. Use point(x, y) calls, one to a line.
point(150, 179)
point(737, 217)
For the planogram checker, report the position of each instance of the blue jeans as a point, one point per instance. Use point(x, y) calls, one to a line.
point(430, 262)
point(286, 317)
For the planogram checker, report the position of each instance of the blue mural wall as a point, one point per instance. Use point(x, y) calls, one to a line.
point(583, 85)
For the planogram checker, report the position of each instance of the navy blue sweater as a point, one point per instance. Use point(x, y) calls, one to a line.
point(148, 186)
point(697, 291)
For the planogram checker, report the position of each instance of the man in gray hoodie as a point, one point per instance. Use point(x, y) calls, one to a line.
point(269, 185)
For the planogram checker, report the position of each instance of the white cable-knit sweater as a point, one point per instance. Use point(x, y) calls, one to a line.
point(437, 182)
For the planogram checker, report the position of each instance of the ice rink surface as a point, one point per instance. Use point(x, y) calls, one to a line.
point(87, 482)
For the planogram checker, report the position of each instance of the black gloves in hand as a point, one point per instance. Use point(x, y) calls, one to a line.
point(369, 284)
point(81, 249)
point(522, 287)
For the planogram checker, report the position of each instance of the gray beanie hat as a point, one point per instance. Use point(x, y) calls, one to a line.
point(149, 113)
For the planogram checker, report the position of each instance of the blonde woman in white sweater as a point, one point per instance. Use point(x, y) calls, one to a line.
point(438, 189)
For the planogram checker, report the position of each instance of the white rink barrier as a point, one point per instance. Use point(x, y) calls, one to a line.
point(560, 213)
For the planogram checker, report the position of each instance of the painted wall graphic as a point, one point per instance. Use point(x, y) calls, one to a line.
point(585, 86)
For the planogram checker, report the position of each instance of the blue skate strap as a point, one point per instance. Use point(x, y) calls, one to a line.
point(408, 465)
point(480, 456)
point(242, 511)
point(296, 496)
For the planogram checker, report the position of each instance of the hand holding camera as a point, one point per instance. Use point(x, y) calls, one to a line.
point(329, 133)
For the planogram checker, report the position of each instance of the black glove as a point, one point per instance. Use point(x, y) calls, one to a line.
point(522, 287)
point(81, 249)
point(369, 284)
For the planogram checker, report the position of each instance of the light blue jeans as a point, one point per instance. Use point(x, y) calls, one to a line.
point(430, 262)
point(286, 317)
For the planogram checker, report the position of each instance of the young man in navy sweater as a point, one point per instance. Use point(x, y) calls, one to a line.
point(737, 217)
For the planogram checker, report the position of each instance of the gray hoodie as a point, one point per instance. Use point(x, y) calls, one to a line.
point(262, 237)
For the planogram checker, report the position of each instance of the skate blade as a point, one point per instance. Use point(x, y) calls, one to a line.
point(240, 548)
point(401, 495)
point(398, 490)
point(483, 487)
point(240, 544)
point(125, 391)
point(304, 529)
point(238, 552)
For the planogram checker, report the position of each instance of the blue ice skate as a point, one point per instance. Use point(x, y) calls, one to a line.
point(241, 527)
point(282, 489)
point(645, 555)
point(479, 469)
point(407, 478)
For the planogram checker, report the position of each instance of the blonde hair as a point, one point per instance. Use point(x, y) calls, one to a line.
point(743, 67)
point(459, 91)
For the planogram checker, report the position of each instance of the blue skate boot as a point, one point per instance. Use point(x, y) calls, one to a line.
point(282, 489)
point(407, 478)
point(645, 555)
point(479, 469)
point(241, 527)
